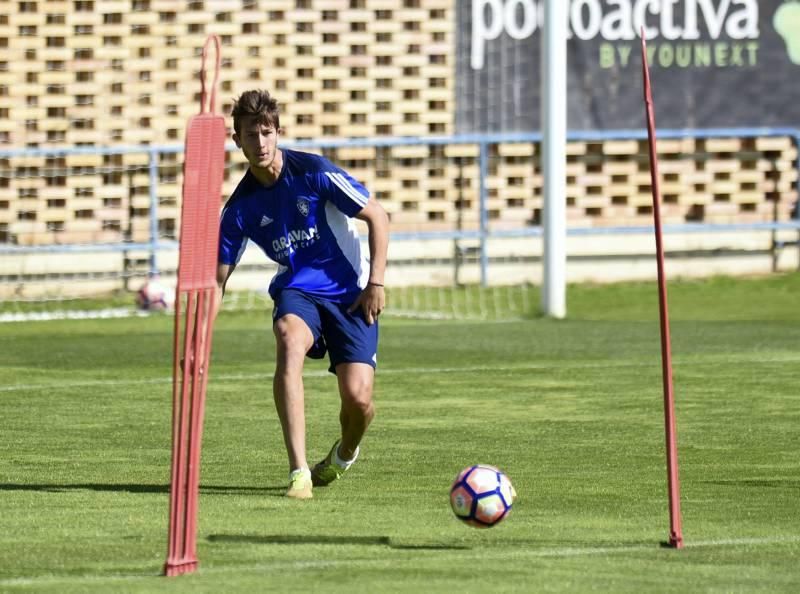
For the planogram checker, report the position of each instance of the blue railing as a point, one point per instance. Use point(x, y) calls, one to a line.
point(483, 141)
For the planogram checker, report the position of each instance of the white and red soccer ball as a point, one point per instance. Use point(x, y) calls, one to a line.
point(482, 496)
point(155, 296)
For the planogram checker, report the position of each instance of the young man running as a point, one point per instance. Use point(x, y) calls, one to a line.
point(299, 209)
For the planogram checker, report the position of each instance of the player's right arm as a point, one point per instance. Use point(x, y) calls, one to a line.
point(224, 272)
point(232, 242)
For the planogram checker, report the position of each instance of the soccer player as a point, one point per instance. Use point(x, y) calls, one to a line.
point(299, 209)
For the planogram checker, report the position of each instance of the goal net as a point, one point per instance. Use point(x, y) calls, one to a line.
point(92, 229)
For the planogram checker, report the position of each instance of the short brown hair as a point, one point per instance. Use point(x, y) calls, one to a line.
point(257, 103)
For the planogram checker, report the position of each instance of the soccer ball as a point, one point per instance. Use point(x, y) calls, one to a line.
point(155, 296)
point(482, 496)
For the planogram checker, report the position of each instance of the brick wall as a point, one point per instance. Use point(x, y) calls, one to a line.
point(111, 72)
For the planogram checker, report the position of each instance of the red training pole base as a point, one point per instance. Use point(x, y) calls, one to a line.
point(173, 568)
point(675, 541)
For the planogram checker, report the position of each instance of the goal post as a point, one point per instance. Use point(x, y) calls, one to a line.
point(554, 157)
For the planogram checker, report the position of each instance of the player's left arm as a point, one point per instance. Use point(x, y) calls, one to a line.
point(372, 299)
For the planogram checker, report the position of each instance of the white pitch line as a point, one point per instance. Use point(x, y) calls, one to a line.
point(724, 542)
point(385, 371)
point(588, 551)
point(463, 554)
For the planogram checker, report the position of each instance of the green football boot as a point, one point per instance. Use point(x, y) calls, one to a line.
point(330, 469)
point(300, 484)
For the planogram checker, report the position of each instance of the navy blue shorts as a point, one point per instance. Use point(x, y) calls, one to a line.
point(346, 336)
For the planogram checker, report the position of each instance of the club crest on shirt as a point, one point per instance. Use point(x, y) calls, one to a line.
point(303, 205)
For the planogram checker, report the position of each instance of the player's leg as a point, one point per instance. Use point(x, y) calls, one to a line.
point(353, 348)
point(293, 339)
point(296, 326)
point(356, 382)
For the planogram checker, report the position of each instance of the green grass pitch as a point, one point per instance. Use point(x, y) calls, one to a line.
point(571, 410)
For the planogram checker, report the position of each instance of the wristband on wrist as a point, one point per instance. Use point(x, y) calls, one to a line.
point(374, 284)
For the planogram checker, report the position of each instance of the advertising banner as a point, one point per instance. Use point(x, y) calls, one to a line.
point(714, 63)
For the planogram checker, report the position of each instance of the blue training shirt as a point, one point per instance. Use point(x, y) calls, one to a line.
point(304, 223)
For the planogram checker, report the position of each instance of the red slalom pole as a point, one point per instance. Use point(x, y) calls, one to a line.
point(673, 484)
point(203, 173)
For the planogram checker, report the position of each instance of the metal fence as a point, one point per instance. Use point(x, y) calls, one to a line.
point(157, 246)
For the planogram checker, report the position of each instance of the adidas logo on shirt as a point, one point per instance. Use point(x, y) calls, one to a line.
point(265, 220)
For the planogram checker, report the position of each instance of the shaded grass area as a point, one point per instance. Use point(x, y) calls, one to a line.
point(570, 409)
